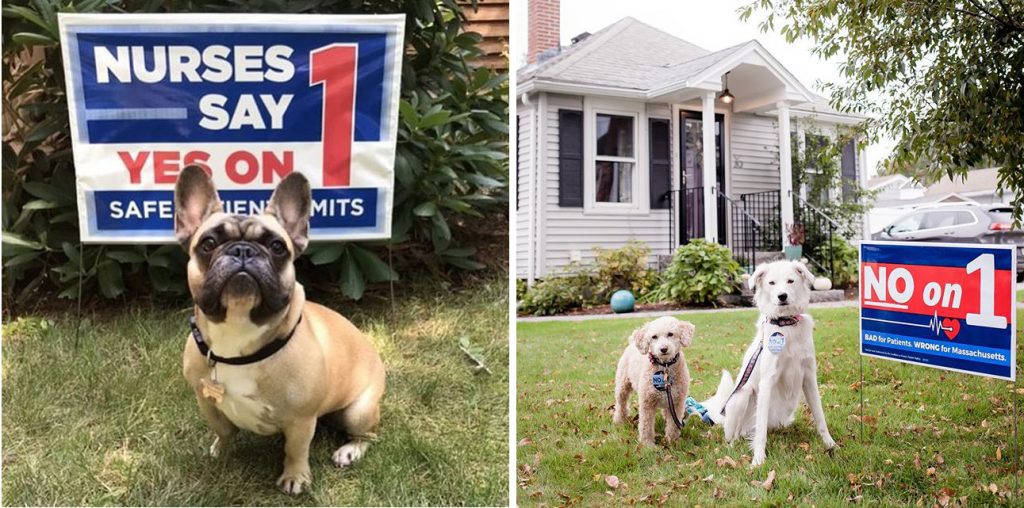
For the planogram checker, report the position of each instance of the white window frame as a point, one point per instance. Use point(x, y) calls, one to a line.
point(641, 184)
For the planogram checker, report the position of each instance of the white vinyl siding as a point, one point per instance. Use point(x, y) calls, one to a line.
point(754, 161)
point(569, 229)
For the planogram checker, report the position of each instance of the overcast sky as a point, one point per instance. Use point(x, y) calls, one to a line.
point(712, 25)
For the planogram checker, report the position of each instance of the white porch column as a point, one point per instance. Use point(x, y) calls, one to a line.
point(710, 195)
point(785, 171)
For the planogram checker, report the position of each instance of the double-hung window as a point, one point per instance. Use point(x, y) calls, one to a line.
point(615, 164)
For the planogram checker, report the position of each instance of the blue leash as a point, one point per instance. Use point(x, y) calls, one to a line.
point(696, 408)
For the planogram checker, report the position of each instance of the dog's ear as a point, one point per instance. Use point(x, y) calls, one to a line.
point(757, 276)
point(291, 205)
point(195, 199)
point(640, 340)
point(805, 274)
point(685, 329)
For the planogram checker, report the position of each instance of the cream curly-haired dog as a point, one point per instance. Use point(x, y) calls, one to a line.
point(655, 346)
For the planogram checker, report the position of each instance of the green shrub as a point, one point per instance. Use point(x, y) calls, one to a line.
point(846, 265)
point(558, 294)
point(521, 287)
point(699, 273)
point(451, 165)
point(624, 268)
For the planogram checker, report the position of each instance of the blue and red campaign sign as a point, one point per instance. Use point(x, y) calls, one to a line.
point(250, 97)
point(949, 306)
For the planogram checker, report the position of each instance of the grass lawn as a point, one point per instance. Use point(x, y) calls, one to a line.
point(114, 422)
point(929, 435)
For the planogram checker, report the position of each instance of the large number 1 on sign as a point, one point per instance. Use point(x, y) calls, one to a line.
point(335, 67)
point(987, 313)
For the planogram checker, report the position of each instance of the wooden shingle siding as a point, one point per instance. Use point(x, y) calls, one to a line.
point(490, 19)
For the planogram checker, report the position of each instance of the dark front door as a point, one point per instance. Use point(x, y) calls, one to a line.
point(691, 166)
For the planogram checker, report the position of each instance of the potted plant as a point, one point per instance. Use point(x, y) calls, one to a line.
point(795, 249)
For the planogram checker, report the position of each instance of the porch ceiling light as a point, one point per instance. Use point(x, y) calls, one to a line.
point(725, 96)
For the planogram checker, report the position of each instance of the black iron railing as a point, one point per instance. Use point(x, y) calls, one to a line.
point(766, 207)
point(819, 232)
point(744, 232)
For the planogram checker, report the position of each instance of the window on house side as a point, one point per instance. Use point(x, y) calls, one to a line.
point(615, 160)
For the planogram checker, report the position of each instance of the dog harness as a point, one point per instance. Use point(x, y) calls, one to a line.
point(775, 345)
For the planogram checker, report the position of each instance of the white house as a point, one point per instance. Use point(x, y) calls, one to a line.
point(633, 133)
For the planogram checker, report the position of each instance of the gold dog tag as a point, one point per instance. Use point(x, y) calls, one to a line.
point(212, 390)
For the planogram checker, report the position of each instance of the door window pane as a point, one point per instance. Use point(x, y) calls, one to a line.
point(693, 151)
point(614, 182)
point(614, 135)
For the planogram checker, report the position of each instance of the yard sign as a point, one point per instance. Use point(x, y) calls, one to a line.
point(948, 306)
point(251, 97)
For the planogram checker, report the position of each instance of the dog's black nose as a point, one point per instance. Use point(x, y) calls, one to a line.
point(242, 250)
point(783, 297)
point(664, 350)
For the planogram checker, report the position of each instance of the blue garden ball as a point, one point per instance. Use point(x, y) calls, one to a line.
point(623, 301)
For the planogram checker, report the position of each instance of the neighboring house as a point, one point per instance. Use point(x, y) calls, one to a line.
point(625, 135)
point(898, 194)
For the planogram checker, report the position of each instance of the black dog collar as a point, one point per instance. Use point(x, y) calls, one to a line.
point(785, 320)
point(263, 353)
point(666, 364)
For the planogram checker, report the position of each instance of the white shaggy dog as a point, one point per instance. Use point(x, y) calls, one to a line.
point(785, 364)
point(655, 346)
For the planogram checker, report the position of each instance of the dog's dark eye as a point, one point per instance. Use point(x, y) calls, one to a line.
point(790, 281)
point(669, 334)
point(208, 244)
point(654, 337)
point(771, 283)
point(278, 247)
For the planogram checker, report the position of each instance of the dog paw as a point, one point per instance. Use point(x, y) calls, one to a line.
point(757, 460)
point(217, 447)
point(830, 445)
point(349, 453)
point(292, 482)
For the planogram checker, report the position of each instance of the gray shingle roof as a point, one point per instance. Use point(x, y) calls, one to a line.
point(640, 57)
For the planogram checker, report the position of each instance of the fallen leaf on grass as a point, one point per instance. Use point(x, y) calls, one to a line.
point(938, 459)
point(999, 453)
point(869, 420)
point(525, 441)
point(993, 488)
point(770, 481)
point(930, 471)
point(727, 461)
point(612, 481)
point(944, 496)
point(717, 493)
point(917, 461)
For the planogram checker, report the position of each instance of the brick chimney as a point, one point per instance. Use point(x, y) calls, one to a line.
point(544, 18)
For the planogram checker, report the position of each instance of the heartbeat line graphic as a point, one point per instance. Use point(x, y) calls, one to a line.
point(934, 324)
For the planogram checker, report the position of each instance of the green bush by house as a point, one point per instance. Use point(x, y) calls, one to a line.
point(699, 273)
